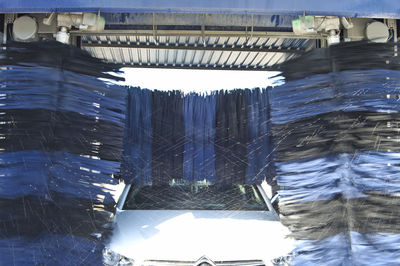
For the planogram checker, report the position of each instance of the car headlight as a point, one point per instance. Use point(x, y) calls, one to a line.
point(124, 261)
point(111, 258)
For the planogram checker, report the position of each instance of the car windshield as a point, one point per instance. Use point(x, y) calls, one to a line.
point(194, 197)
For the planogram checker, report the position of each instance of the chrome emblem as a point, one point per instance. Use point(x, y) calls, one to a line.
point(204, 261)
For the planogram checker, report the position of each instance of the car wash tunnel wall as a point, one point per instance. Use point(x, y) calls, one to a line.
point(327, 140)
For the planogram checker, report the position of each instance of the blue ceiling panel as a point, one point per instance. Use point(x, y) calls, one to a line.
point(349, 8)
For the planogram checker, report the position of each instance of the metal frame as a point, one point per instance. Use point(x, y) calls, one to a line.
point(348, 8)
point(253, 47)
point(199, 33)
point(201, 67)
point(193, 47)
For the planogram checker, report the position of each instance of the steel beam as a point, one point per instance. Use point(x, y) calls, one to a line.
point(348, 8)
point(189, 19)
point(199, 33)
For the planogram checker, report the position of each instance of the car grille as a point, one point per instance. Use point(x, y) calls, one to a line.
point(192, 263)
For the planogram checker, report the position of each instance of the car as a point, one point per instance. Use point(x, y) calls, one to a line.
point(199, 224)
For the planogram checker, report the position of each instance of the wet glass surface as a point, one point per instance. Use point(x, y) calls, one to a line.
point(195, 197)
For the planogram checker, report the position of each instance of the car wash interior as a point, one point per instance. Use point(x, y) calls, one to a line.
point(84, 156)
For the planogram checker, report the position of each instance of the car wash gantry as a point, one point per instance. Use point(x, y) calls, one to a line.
point(236, 35)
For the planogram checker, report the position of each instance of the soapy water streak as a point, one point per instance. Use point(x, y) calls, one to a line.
point(223, 137)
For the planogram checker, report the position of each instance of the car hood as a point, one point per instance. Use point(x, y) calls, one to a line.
point(187, 235)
